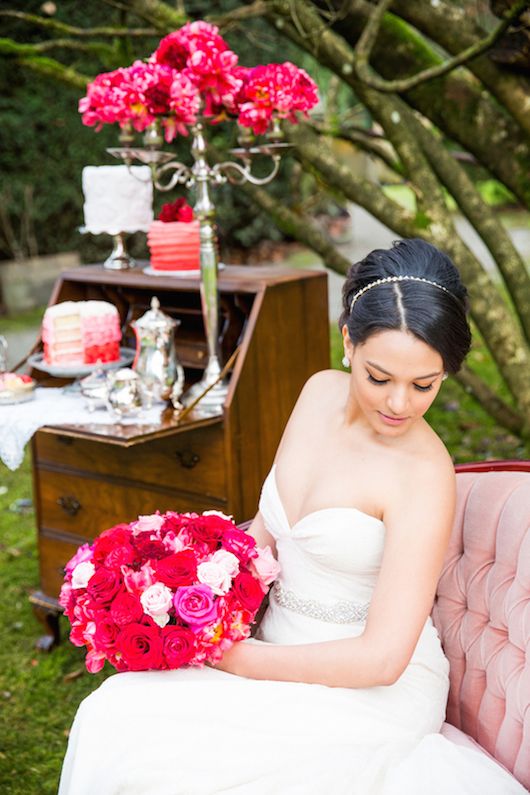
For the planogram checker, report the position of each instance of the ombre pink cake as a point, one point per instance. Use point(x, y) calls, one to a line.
point(81, 332)
point(174, 245)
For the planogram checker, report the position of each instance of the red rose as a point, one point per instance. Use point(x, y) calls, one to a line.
point(104, 585)
point(140, 647)
point(178, 210)
point(109, 540)
point(206, 530)
point(126, 609)
point(177, 569)
point(149, 546)
point(248, 591)
point(124, 555)
point(240, 544)
point(179, 645)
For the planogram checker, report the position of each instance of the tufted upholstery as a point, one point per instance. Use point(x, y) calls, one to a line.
point(482, 613)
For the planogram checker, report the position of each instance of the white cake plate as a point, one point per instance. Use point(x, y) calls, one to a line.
point(36, 360)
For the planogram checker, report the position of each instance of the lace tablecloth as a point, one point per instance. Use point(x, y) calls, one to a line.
point(19, 422)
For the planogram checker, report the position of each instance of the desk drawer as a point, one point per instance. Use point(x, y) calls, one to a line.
point(193, 461)
point(86, 506)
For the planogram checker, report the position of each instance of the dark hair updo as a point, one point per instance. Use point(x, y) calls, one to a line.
point(438, 317)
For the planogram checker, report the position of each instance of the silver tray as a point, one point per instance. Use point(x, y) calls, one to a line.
point(36, 360)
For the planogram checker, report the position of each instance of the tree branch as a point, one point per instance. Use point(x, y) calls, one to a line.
point(374, 145)
point(71, 30)
point(160, 14)
point(49, 67)
point(316, 153)
point(494, 405)
point(366, 42)
point(483, 218)
point(10, 47)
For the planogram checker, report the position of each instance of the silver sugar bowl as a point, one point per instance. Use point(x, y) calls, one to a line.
point(124, 397)
point(156, 359)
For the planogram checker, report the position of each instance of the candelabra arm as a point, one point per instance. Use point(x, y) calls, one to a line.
point(182, 175)
point(238, 174)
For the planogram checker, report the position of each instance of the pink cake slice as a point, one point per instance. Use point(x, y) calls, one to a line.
point(81, 332)
point(174, 246)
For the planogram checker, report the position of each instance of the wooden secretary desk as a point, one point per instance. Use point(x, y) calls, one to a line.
point(88, 478)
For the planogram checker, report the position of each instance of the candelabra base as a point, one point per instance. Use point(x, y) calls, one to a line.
point(119, 259)
point(210, 392)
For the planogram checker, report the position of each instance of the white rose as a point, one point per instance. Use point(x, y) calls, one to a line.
point(156, 599)
point(82, 573)
point(214, 575)
point(227, 560)
point(220, 514)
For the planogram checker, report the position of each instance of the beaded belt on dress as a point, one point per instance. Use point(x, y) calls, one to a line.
point(338, 613)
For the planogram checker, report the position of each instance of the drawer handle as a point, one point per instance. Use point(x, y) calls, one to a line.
point(69, 505)
point(187, 458)
point(66, 440)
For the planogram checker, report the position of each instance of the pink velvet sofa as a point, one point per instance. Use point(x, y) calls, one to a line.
point(482, 613)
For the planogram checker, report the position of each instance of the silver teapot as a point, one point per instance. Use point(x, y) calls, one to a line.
point(156, 359)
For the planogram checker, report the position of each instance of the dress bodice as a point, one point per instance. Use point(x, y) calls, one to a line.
point(329, 561)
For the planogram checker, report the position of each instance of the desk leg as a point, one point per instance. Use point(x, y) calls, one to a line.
point(46, 611)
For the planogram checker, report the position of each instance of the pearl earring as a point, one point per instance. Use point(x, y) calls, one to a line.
point(345, 361)
point(445, 376)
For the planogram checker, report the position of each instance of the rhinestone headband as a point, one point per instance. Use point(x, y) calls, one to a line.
point(389, 279)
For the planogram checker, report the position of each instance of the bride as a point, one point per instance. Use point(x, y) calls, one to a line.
point(344, 689)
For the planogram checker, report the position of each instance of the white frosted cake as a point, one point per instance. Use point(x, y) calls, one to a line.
point(117, 199)
point(81, 332)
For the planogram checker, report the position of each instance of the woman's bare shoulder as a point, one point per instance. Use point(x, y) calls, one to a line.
point(320, 384)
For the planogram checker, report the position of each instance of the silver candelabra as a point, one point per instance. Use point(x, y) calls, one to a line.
point(201, 175)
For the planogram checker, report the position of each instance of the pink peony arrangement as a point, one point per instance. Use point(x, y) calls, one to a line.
point(165, 591)
point(193, 71)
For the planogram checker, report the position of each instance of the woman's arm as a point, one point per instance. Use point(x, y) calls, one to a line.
point(418, 526)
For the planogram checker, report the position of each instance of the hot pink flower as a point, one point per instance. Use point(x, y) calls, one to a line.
point(179, 645)
point(241, 544)
point(126, 609)
point(137, 581)
point(195, 604)
point(279, 90)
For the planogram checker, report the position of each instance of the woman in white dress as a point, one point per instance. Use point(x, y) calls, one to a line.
point(344, 690)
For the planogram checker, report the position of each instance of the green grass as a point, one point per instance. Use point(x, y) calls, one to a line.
point(39, 692)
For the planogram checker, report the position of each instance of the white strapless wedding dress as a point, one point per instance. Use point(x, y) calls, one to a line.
point(203, 731)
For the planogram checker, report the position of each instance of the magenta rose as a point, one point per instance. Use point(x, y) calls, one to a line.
point(195, 604)
point(177, 569)
point(241, 544)
point(126, 609)
point(140, 647)
point(104, 585)
point(248, 591)
point(105, 634)
point(179, 646)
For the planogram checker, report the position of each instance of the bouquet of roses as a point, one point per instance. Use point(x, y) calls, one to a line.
point(165, 591)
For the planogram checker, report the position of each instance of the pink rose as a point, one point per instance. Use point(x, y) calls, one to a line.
point(195, 604)
point(179, 646)
point(145, 524)
point(265, 566)
point(214, 575)
point(227, 560)
point(138, 581)
point(95, 660)
point(140, 647)
point(156, 600)
point(83, 554)
point(82, 573)
point(172, 542)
